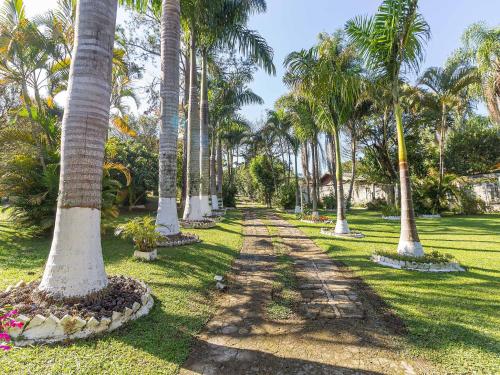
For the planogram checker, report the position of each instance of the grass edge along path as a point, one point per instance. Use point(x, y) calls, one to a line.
point(452, 319)
point(182, 280)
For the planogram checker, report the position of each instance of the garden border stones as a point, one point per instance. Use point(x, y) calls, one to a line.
point(394, 218)
point(198, 224)
point(416, 266)
point(331, 232)
point(50, 329)
point(186, 239)
point(430, 216)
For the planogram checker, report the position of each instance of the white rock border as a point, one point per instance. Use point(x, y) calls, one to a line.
point(416, 266)
point(50, 329)
point(198, 224)
point(331, 232)
point(430, 216)
point(394, 218)
point(193, 238)
point(313, 221)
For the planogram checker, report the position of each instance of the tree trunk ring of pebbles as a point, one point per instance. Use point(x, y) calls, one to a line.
point(47, 320)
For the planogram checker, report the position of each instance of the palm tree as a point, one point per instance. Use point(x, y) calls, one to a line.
point(446, 86)
point(75, 267)
point(225, 27)
point(192, 208)
point(392, 41)
point(329, 73)
point(166, 219)
point(482, 45)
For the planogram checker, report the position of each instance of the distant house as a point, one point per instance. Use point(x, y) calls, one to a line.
point(485, 186)
point(363, 191)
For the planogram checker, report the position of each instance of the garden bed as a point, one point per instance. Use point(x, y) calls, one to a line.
point(179, 240)
point(48, 321)
point(331, 232)
point(198, 224)
point(415, 264)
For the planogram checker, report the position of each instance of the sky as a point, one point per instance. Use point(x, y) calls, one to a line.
point(290, 25)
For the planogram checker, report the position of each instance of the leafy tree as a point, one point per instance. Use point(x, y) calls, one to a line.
point(473, 148)
point(265, 176)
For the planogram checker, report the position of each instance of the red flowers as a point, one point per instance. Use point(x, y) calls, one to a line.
point(7, 321)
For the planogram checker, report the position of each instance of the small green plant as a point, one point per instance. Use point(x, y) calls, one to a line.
point(434, 257)
point(143, 232)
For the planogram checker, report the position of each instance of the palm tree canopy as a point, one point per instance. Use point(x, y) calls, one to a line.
point(393, 39)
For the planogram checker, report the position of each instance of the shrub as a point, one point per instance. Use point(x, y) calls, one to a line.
point(467, 203)
point(376, 204)
point(329, 202)
point(142, 231)
point(229, 192)
point(285, 196)
point(390, 210)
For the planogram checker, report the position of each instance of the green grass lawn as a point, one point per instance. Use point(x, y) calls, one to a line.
point(453, 319)
point(181, 280)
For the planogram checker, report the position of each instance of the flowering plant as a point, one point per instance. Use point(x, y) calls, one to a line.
point(7, 315)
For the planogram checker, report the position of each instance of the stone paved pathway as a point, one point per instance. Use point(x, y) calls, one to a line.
point(337, 330)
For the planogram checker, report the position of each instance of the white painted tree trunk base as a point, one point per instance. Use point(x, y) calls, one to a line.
point(410, 248)
point(205, 208)
point(75, 267)
point(341, 227)
point(192, 211)
point(315, 214)
point(166, 218)
point(298, 209)
point(215, 202)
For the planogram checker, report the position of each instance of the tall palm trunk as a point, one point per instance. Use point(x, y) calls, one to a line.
point(166, 219)
point(192, 210)
point(220, 172)
point(333, 156)
point(315, 212)
point(213, 182)
point(75, 266)
point(409, 242)
point(341, 226)
point(187, 85)
point(305, 169)
point(205, 208)
point(442, 135)
point(298, 208)
point(353, 163)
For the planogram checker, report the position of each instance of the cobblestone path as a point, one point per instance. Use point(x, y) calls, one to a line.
point(336, 329)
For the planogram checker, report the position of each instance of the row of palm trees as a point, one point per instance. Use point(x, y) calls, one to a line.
point(75, 267)
point(357, 72)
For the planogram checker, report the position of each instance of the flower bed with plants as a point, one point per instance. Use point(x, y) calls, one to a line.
point(40, 319)
point(351, 234)
point(8, 324)
point(431, 262)
point(198, 224)
point(308, 218)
